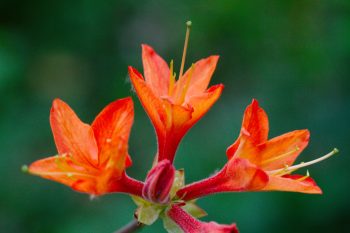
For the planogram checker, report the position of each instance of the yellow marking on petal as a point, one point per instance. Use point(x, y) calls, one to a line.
point(301, 165)
point(188, 29)
point(280, 156)
point(304, 177)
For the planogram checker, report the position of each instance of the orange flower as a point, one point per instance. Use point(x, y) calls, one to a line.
point(275, 156)
point(258, 164)
point(91, 159)
point(174, 106)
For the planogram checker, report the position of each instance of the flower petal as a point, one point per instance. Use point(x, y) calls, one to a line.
point(292, 183)
point(71, 135)
point(156, 71)
point(202, 103)
point(275, 153)
point(151, 103)
point(112, 129)
point(256, 123)
point(236, 176)
point(282, 150)
point(190, 224)
point(62, 169)
point(200, 78)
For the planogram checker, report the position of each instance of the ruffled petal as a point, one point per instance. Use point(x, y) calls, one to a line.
point(189, 224)
point(112, 129)
point(292, 183)
point(71, 135)
point(237, 175)
point(156, 71)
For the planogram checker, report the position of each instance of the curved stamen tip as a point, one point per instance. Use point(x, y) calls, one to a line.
point(189, 23)
point(24, 169)
point(335, 150)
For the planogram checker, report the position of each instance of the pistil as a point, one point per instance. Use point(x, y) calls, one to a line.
point(188, 24)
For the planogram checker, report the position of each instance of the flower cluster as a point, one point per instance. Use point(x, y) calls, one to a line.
point(93, 158)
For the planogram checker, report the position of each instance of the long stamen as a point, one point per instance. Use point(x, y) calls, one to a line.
point(188, 24)
point(280, 156)
point(301, 165)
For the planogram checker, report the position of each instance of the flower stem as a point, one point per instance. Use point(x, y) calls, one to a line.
point(132, 226)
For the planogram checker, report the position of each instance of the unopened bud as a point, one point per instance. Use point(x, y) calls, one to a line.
point(159, 182)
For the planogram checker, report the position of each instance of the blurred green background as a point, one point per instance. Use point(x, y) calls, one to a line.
point(293, 56)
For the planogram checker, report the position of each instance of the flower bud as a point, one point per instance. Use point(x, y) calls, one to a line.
point(159, 182)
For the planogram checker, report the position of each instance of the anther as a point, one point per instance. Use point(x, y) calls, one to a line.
point(304, 177)
point(24, 169)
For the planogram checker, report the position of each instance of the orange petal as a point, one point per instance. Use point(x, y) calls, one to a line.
point(112, 128)
point(156, 71)
point(290, 183)
point(255, 124)
point(63, 170)
point(282, 150)
point(200, 78)
point(151, 103)
point(202, 103)
point(71, 135)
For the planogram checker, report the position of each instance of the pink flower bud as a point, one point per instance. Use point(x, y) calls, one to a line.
point(159, 182)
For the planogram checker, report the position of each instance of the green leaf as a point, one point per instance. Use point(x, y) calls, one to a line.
point(171, 226)
point(148, 214)
point(140, 201)
point(194, 210)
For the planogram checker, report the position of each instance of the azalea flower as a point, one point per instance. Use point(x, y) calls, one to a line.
point(91, 158)
point(174, 106)
point(258, 164)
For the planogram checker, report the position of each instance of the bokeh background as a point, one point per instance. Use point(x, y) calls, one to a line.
point(293, 56)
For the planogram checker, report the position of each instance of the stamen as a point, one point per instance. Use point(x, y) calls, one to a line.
point(171, 78)
point(188, 24)
point(280, 156)
point(69, 174)
point(304, 177)
point(301, 165)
